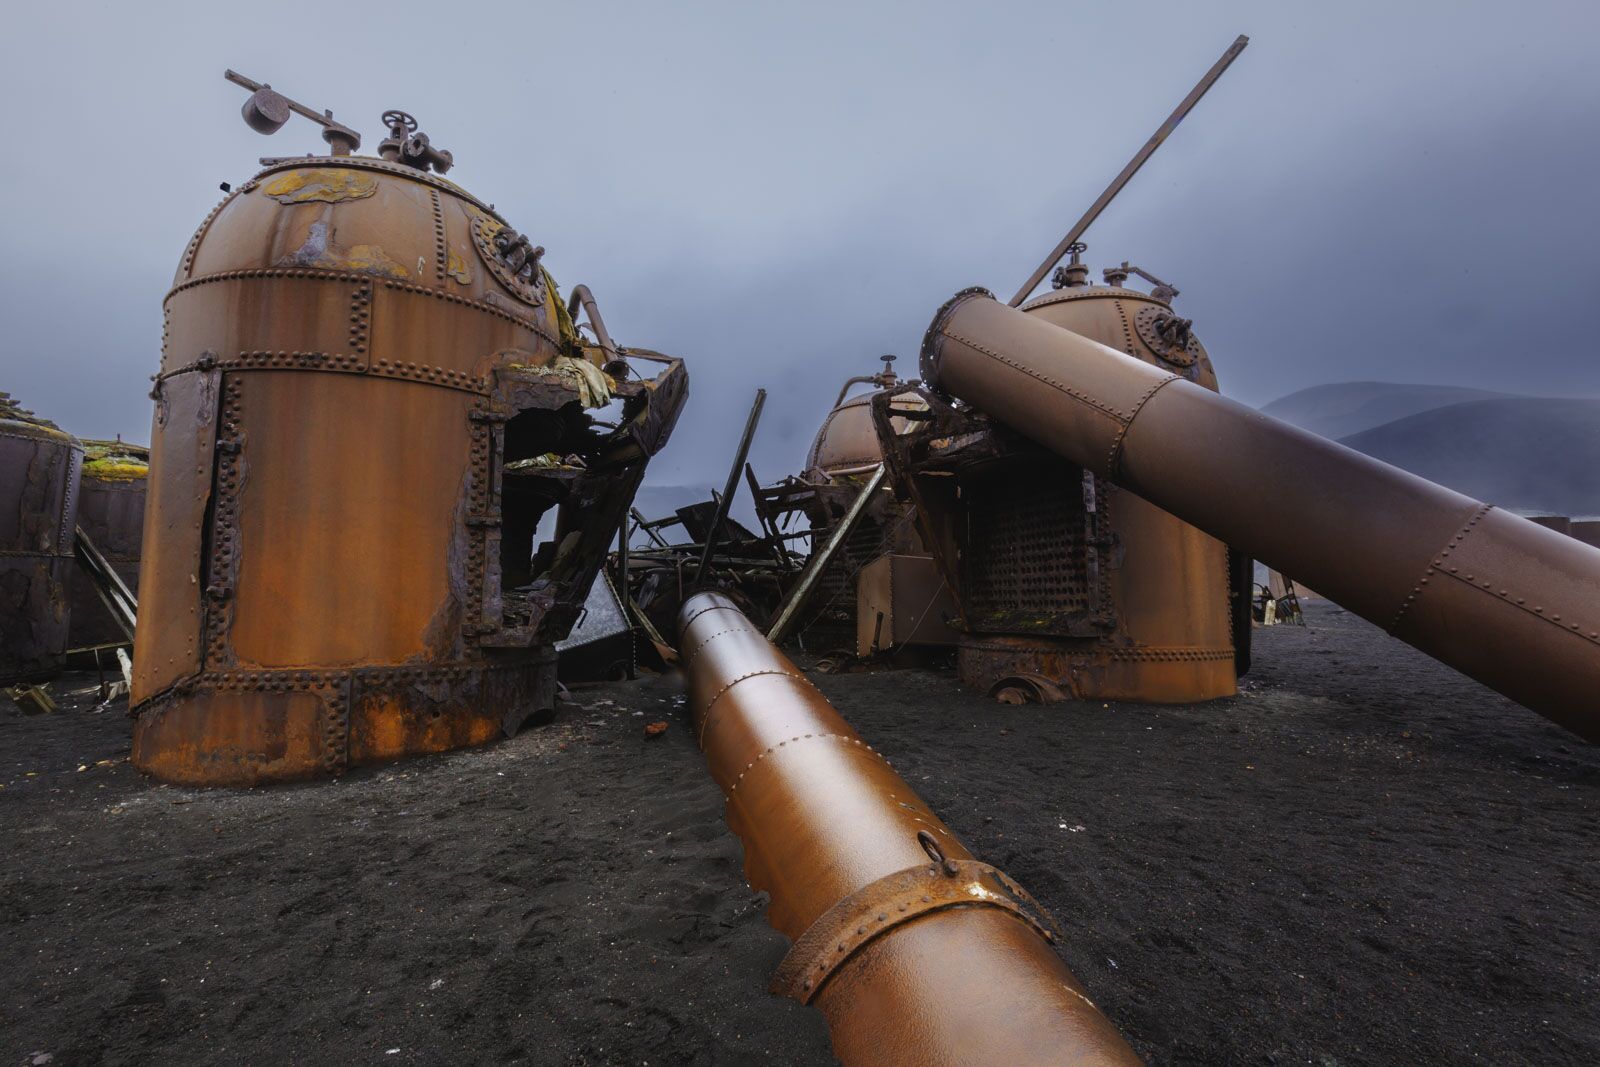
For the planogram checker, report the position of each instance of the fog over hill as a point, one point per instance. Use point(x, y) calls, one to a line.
point(1524, 453)
point(1342, 408)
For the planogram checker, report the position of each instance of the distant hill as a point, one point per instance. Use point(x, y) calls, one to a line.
point(1344, 408)
point(1521, 452)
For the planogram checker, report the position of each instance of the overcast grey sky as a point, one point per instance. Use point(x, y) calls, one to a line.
point(780, 193)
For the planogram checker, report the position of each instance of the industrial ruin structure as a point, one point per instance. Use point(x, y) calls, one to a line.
point(1503, 600)
point(371, 396)
point(111, 515)
point(388, 464)
point(1067, 585)
point(39, 472)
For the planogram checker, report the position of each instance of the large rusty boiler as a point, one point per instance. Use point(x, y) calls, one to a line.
point(1502, 600)
point(39, 470)
point(370, 397)
point(111, 512)
point(1068, 586)
point(915, 951)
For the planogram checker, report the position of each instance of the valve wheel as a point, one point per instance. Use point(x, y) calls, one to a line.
point(391, 119)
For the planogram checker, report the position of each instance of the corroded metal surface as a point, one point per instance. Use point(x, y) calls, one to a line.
point(833, 834)
point(902, 600)
point(111, 501)
point(1063, 579)
point(370, 396)
point(1507, 602)
point(39, 471)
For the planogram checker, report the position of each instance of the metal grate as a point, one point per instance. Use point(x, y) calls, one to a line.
point(1026, 565)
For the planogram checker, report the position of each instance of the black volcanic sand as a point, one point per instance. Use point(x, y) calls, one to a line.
point(1361, 859)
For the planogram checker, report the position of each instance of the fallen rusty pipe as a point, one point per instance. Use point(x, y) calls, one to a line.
point(914, 951)
point(1498, 598)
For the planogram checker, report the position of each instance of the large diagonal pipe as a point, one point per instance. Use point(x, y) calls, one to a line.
point(1500, 599)
point(914, 951)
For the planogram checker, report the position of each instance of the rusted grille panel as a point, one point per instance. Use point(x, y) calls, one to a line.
point(1027, 565)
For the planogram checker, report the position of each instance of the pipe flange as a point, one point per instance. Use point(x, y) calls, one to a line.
point(529, 290)
point(1168, 336)
point(872, 911)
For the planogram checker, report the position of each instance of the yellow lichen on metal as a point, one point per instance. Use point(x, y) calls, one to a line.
point(324, 186)
point(116, 469)
point(457, 268)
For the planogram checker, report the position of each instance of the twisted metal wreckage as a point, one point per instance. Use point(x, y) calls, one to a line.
point(387, 467)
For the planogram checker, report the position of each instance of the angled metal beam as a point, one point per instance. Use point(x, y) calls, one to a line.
point(1131, 169)
point(820, 559)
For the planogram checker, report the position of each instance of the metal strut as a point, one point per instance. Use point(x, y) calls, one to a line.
point(1131, 169)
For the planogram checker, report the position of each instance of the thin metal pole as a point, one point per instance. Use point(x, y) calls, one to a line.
point(819, 560)
point(1132, 168)
point(624, 585)
point(732, 484)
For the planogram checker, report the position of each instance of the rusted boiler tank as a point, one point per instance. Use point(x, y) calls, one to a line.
point(111, 512)
point(39, 471)
point(371, 395)
point(842, 457)
point(1068, 586)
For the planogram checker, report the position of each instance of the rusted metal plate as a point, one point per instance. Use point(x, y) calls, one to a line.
point(168, 645)
point(218, 321)
point(902, 600)
point(235, 736)
point(342, 529)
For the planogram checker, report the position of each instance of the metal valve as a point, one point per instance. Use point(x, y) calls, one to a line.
point(406, 145)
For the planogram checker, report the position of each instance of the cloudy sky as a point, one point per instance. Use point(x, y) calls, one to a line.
point(781, 193)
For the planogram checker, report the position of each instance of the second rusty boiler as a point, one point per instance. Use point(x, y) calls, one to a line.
point(371, 395)
point(1503, 600)
point(1069, 586)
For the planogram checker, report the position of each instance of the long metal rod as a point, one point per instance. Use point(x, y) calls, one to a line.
point(623, 580)
point(819, 560)
point(1132, 168)
point(731, 486)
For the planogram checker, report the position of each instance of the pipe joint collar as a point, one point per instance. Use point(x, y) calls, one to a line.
point(841, 932)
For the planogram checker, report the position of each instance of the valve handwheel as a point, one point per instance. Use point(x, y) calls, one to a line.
point(398, 122)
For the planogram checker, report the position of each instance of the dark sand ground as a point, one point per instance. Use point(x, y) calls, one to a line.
point(1361, 859)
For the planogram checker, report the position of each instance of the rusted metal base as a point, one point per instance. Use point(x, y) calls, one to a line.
point(240, 728)
point(1088, 669)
